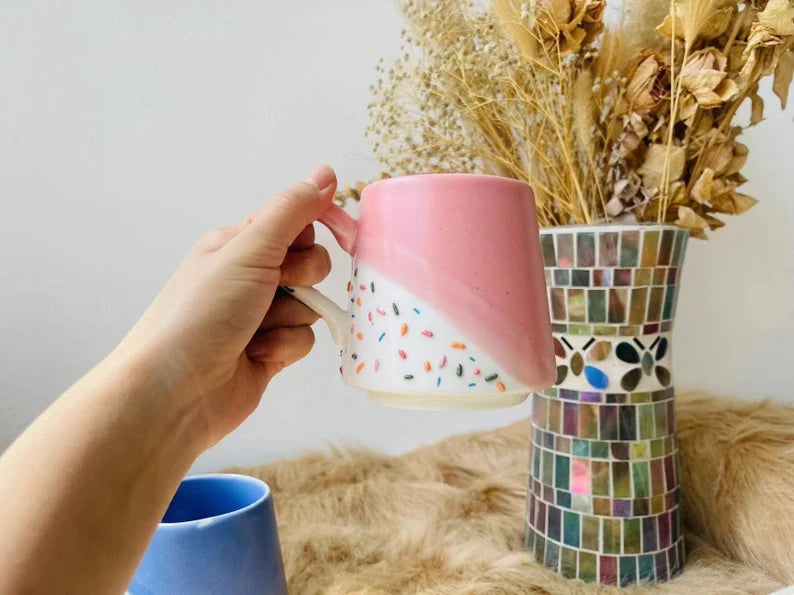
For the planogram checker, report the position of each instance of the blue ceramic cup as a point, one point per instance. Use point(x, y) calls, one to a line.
point(217, 536)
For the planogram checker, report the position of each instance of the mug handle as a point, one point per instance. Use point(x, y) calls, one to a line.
point(344, 228)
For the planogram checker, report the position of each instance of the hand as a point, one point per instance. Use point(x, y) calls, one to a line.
point(218, 331)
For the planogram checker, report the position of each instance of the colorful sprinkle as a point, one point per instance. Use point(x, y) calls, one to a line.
point(476, 371)
point(401, 353)
point(369, 316)
point(491, 377)
point(358, 301)
point(417, 311)
point(352, 329)
point(380, 311)
point(381, 337)
point(355, 272)
point(409, 376)
point(472, 359)
point(427, 366)
point(359, 368)
point(500, 387)
point(438, 380)
point(349, 286)
point(377, 365)
point(362, 287)
point(403, 329)
point(442, 362)
point(472, 384)
point(457, 345)
point(359, 336)
point(427, 333)
point(354, 356)
point(352, 300)
point(352, 316)
point(340, 370)
point(396, 309)
point(372, 286)
point(459, 370)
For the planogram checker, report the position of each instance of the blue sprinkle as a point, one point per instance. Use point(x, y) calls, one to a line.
point(472, 359)
point(438, 381)
point(352, 316)
point(473, 384)
point(381, 337)
point(417, 311)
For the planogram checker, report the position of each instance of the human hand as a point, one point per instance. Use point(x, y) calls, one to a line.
point(218, 332)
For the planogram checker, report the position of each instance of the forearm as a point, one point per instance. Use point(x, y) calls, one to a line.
point(108, 455)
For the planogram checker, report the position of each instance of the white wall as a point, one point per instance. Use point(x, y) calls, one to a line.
point(127, 129)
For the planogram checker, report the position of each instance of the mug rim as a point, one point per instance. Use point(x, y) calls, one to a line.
point(445, 176)
point(228, 476)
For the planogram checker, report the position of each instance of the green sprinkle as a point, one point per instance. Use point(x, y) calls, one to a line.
point(354, 356)
point(459, 370)
point(355, 272)
point(409, 376)
point(396, 310)
point(491, 377)
point(372, 286)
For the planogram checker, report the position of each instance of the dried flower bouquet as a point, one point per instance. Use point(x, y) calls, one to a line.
point(635, 121)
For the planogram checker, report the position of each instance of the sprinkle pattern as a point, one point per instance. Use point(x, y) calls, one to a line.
point(390, 320)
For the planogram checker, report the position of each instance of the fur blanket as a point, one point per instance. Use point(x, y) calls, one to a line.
point(449, 518)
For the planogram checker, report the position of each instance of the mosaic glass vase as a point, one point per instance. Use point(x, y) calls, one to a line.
point(604, 501)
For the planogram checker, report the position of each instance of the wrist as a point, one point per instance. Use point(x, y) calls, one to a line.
point(154, 393)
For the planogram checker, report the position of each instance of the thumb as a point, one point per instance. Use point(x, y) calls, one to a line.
point(272, 230)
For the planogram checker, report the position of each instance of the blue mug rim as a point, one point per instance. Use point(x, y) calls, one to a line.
point(226, 476)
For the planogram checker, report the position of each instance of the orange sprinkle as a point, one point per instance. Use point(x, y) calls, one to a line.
point(403, 329)
point(457, 345)
point(359, 336)
point(427, 366)
point(499, 386)
point(349, 287)
point(358, 301)
point(361, 367)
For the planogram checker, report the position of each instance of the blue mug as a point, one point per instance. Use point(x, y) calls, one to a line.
point(218, 536)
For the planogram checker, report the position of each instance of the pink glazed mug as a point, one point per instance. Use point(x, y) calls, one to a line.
point(447, 300)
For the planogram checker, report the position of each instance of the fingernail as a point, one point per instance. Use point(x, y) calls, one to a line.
point(322, 177)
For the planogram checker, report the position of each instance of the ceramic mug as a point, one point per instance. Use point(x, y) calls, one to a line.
point(217, 536)
point(447, 299)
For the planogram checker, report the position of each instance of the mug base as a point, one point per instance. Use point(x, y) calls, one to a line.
point(436, 402)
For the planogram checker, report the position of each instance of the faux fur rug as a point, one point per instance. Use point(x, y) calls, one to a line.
point(449, 518)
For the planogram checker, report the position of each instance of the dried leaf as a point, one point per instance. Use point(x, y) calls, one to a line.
point(698, 19)
point(678, 193)
point(783, 75)
point(778, 17)
point(767, 38)
point(742, 202)
point(733, 203)
point(740, 152)
point(653, 166)
point(688, 219)
point(717, 149)
point(713, 222)
point(757, 106)
point(701, 190)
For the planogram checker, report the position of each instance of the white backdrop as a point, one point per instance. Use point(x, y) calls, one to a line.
point(127, 129)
